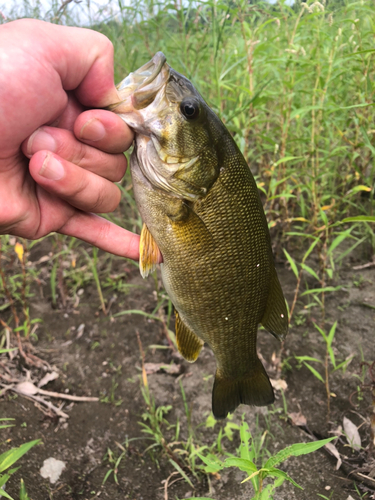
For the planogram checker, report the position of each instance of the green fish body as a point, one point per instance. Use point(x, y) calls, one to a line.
point(201, 210)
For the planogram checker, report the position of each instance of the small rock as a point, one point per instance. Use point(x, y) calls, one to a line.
point(52, 469)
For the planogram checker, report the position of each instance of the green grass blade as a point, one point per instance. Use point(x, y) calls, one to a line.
point(295, 450)
point(8, 458)
point(241, 463)
point(292, 263)
point(279, 473)
point(360, 218)
point(23, 492)
point(183, 474)
point(314, 372)
point(310, 271)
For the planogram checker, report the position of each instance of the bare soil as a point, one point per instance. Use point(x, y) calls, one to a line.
point(105, 361)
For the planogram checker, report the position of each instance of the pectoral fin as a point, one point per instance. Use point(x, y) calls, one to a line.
point(188, 343)
point(149, 253)
point(275, 318)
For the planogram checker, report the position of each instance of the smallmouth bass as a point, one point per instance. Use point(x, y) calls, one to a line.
point(201, 210)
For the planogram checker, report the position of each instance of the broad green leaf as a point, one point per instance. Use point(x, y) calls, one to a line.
point(8, 458)
point(314, 372)
point(279, 473)
point(210, 422)
point(295, 450)
point(246, 438)
point(267, 492)
point(213, 464)
point(229, 428)
point(241, 463)
point(3, 479)
point(5, 494)
point(292, 263)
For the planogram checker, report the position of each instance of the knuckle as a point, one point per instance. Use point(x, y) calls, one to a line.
point(121, 165)
point(99, 202)
point(79, 153)
point(106, 200)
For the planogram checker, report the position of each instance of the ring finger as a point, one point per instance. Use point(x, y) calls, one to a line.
point(81, 188)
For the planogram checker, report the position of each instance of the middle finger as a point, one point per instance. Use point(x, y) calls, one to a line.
point(64, 144)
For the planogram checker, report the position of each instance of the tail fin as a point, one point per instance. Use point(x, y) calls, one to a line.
point(253, 388)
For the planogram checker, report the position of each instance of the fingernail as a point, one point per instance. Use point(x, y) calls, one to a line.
point(39, 140)
point(93, 130)
point(51, 169)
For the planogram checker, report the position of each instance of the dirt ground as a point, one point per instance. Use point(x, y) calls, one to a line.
point(103, 359)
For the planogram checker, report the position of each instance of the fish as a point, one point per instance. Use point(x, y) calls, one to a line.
point(203, 217)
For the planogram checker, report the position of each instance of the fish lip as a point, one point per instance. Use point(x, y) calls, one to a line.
point(146, 74)
point(140, 87)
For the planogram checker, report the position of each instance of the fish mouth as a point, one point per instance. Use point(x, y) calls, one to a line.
point(139, 89)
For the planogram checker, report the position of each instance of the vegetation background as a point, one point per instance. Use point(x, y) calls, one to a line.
point(294, 84)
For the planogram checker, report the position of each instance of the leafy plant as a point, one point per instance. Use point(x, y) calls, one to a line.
point(9, 458)
point(247, 458)
point(329, 357)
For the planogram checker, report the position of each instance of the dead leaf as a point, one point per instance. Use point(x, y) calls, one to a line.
point(80, 331)
point(279, 384)
point(352, 434)
point(335, 452)
point(297, 419)
point(162, 367)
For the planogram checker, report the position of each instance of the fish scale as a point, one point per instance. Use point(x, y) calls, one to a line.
point(207, 221)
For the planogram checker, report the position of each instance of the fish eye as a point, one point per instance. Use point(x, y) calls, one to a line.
point(190, 109)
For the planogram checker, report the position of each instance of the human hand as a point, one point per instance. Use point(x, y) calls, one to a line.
point(49, 76)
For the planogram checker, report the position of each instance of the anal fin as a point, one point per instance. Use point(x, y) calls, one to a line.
point(188, 343)
point(275, 318)
point(253, 388)
point(149, 253)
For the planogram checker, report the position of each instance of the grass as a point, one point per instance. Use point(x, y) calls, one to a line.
point(295, 87)
point(8, 459)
